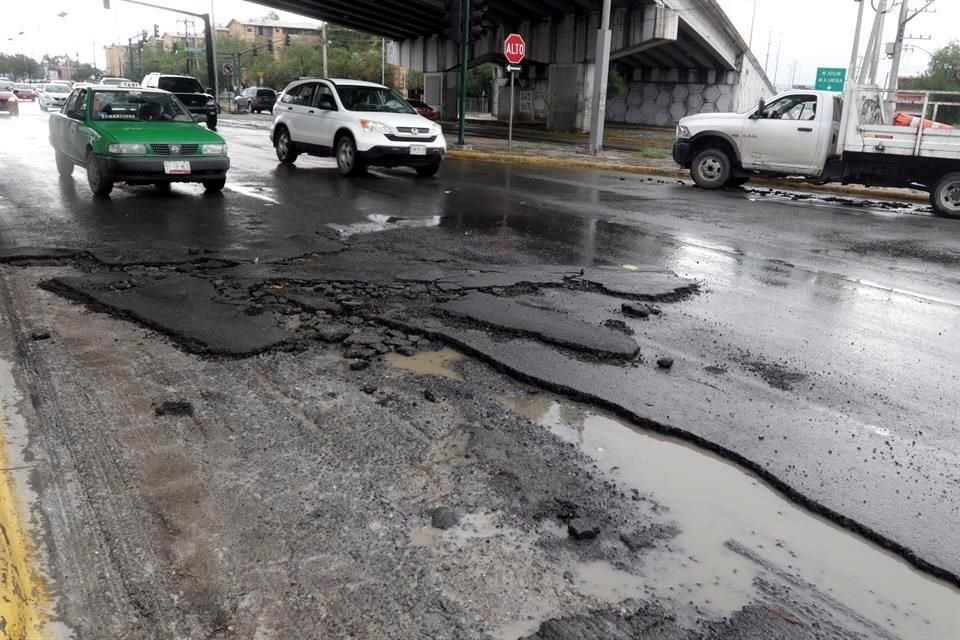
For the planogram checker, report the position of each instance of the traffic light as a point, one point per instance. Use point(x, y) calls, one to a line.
point(143, 35)
point(286, 40)
point(454, 11)
point(156, 31)
point(480, 23)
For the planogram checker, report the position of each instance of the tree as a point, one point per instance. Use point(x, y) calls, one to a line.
point(480, 81)
point(19, 67)
point(86, 72)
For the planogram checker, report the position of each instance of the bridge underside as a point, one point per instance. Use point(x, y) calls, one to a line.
point(678, 56)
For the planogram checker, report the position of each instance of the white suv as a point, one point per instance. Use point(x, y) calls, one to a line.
point(360, 123)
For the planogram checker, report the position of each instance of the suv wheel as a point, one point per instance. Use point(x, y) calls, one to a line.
point(212, 122)
point(347, 161)
point(249, 106)
point(429, 170)
point(286, 148)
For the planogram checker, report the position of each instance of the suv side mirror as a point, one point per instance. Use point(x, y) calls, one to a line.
point(326, 103)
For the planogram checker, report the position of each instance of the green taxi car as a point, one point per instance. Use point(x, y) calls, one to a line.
point(137, 136)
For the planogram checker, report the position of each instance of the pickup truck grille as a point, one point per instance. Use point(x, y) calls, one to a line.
point(168, 149)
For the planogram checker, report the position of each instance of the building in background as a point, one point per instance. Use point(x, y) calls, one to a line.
point(117, 57)
point(263, 31)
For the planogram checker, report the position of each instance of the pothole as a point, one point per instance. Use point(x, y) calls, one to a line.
point(741, 541)
point(428, 363)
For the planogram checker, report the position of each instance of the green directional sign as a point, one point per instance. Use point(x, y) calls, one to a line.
point(830, 79)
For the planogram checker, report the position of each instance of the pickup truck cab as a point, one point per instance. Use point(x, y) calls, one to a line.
point(190, 92)
point(137, 136)
point(810, 134)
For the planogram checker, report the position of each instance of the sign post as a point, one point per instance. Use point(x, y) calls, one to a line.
point(830, 79)
point(515, 50)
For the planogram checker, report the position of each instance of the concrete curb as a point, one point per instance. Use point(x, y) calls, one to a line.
point(546, 161)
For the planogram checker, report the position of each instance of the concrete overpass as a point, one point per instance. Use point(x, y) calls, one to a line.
point(680, 56)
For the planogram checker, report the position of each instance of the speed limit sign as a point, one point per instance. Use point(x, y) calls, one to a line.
point(227, 68)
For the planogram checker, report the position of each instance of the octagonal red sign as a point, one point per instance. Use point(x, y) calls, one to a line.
point(515, 48)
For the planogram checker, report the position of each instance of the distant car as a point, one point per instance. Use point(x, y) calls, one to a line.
point(54, 96)
point(25, 92)
point(137, 136)
point(359, 123)
point(8, 100)
point(118, 82)
point(190, 92)
point(256, 99)
point(424, 109)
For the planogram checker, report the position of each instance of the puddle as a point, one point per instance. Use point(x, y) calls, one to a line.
point(473, 526)
point(259, 192)
point(735, 530)
point(429, 363)
point(381, 222)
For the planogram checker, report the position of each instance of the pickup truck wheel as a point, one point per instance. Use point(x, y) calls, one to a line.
point(64, 165)
point(711, 169)
point(100, 184)
point(347, 161)
point(945, 197)
point(212, 122)
point(286, 148)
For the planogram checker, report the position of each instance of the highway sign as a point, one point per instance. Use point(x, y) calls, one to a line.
point(515, 48)
point(830, 79)
point(227, 68)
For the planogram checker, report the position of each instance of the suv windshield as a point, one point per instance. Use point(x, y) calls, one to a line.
point(137, 105)
point(357, 98)
point(56, 88)
point(266, 93)
point(180, 85)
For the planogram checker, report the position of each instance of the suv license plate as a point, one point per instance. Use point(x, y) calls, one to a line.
point(177, 167)
point(418, 150)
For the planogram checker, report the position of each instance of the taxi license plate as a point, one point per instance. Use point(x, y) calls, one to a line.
point(176, 167)
point(418, 150)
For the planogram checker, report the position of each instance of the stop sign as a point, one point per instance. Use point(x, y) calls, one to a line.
point(515, 48)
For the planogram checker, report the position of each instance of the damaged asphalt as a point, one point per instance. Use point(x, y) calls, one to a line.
point(303, 481)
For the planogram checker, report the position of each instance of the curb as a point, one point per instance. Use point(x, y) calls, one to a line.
point(544, 161)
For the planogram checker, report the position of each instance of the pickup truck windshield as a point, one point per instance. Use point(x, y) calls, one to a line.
point(357, 98)
point(139, 106)
point(180, 85)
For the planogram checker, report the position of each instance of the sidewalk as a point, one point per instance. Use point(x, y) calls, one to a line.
point(654, 160)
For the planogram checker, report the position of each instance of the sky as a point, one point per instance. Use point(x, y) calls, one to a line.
point(808, 34)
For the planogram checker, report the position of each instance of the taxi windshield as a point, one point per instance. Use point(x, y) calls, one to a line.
point(137, 105)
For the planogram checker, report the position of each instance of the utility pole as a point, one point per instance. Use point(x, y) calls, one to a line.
point(893, 81)
point(753, 23)
point(464, 52)
point(852, 71)
point(766, 60)
point(776, 66)
point(600, 78)
point(871, 60)
point(323, 34)
point(383, 61)
point(793, 75)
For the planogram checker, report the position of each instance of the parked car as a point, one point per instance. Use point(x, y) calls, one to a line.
point(25, 92)
point(137, 136)
point(360, 123)
point(54, 96)
point(424, 109)
point(256, 99)
point(118, 82)
point(189, 91)
point(8, 100)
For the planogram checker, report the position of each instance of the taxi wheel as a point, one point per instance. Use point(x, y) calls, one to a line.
point(64, 165)
point(100, 184)
point(214, 185)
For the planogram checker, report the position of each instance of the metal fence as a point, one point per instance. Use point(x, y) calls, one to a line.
point(478, 105)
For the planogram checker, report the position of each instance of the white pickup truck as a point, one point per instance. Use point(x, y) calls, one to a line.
point(811, 134)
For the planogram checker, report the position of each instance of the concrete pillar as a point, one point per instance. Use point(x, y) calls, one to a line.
point(569, 97)
point(451, 83)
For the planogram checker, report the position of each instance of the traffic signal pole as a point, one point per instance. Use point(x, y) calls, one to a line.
point(464, 50)
point(600, 78)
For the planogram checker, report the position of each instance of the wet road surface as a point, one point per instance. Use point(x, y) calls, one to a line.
point(819, 351)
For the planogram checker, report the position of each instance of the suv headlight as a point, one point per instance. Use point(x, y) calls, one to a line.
point(127, 148)
point(213, 149)
point(374, 127)
point(682, 131)
point(210, 102)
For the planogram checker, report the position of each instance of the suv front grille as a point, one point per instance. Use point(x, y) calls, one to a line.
point(166, 149)
point(394, 138)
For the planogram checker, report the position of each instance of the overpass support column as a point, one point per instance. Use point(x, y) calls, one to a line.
point(569, 97)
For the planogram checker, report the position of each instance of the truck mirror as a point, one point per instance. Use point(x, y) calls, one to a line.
point(762, 109)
